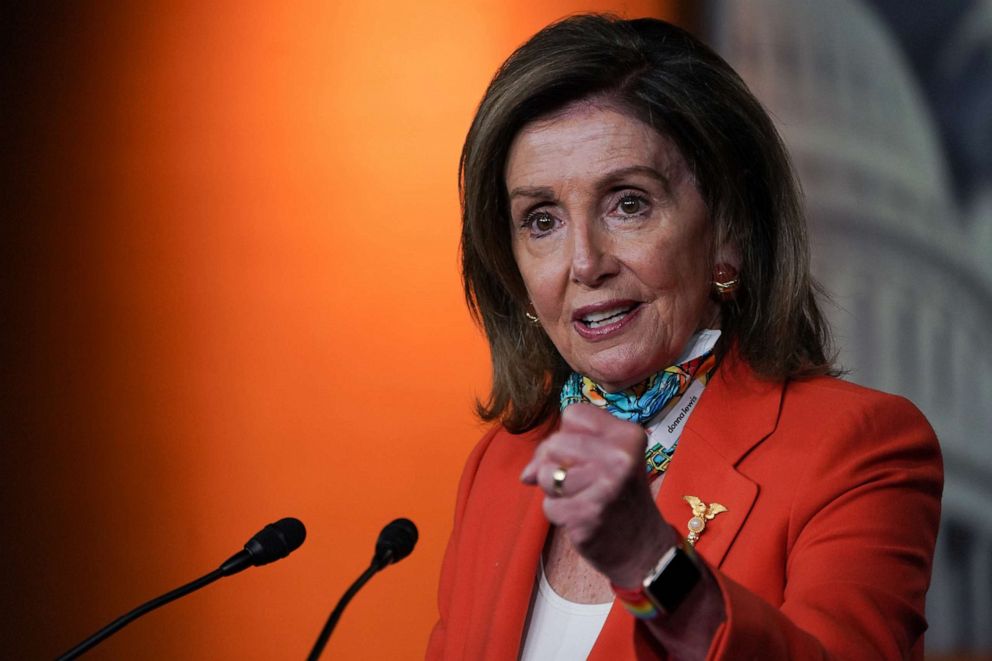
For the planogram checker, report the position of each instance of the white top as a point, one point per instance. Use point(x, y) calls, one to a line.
point(559, 629)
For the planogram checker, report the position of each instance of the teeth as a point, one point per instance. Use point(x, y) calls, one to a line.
point(598, 319)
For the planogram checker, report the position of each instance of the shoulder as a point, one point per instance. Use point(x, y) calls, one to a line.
point(498, 459)
point(815, 399)
point(742, 414)
point(848, 437)
point(834, 389)
point(832, 406)
point(815, 429)
point(498, 449)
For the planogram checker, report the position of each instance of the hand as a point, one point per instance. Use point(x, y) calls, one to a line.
point(605, 506)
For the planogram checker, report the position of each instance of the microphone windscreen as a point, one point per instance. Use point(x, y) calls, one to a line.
point(276, 540)
point(396, 540)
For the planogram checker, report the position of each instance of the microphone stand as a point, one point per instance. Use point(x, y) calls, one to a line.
point(146, 607)
point(325, 633)
point(271, 543)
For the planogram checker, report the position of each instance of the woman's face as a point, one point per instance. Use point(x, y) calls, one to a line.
point(612, 239)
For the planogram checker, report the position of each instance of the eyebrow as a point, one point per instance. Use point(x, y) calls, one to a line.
point(608, 179)
point(616, 175)
point(532, 191)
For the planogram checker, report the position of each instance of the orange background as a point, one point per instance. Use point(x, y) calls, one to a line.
point(233, 297)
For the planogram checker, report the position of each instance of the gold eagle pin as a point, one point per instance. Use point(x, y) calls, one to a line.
point(701, 513)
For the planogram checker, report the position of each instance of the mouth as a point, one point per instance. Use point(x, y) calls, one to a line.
point(598, 321)
point(606, 317)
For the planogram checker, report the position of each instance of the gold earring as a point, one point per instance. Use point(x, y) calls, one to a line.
point(726, 282)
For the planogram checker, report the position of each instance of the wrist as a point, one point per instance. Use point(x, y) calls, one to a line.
point(662, 589)
point(643, 554)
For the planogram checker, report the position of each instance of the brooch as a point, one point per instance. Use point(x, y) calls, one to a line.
point(701, 513)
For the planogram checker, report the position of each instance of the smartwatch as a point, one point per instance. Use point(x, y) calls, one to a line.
point(673, 578)
point(666, 586)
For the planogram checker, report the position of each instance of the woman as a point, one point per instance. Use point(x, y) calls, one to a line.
point(634, 246)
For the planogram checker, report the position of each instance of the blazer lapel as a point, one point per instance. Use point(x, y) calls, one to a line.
point(736, 412)
point(698, 470)
point(514, 592)
point(511, 531)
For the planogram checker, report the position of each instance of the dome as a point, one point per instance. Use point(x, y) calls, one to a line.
point(848, 107)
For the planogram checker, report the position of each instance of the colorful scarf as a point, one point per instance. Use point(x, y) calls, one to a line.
point(643, 401)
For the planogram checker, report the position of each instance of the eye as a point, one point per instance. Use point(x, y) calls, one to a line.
point(540, 222)
point(631, 204)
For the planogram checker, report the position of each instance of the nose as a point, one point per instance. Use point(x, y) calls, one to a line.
point(593, 258)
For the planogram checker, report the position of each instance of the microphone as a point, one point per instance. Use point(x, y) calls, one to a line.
point(273, 542)
point(395, 542)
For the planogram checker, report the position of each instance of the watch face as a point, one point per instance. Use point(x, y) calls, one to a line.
point(672, 579)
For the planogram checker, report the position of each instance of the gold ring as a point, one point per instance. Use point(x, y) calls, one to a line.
point(558, 480)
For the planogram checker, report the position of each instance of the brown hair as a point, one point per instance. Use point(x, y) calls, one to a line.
point(668, 79)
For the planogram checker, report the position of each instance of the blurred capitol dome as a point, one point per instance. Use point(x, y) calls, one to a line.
point(906, 263)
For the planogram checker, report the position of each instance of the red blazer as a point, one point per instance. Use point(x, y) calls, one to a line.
point(833, 498)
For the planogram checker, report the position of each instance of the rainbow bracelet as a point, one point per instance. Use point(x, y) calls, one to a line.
point(636, 602)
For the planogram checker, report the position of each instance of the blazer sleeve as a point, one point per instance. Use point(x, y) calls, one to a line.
point(860, 540)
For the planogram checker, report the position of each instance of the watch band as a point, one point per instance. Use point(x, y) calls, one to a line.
point(666, 586)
